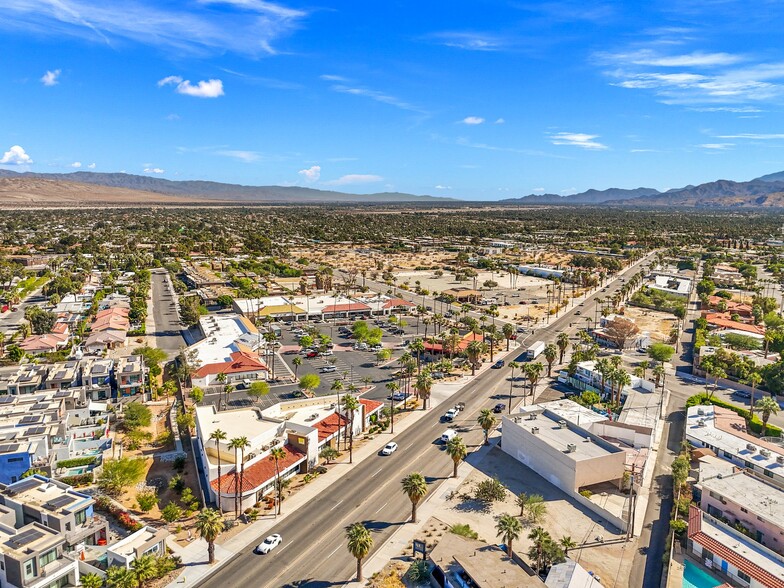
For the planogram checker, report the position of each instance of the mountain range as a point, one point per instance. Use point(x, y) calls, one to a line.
point(84, 188)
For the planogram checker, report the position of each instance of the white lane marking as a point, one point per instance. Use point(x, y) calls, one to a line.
point(377, 473)
point(283, 547)
point(410, 446)
point(333, 551)
point(382, 507)
point(336, 505)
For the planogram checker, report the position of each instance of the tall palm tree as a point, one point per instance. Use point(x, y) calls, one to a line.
point(508, 528)
point(296, 362)
point(534, 373)
point(754, 380)
point(424, 383)
point(360, 542)
point(209, 525)
point(145, 568)
point(474, 351)
point(393, 387)
point(539, 537)
point(550, 353)
point(513, 365)
point(622, 379)
point(221, 379)
point(351, 405)
point(243, 444)
point(562, 342)
point(277, 455)
point(487, 421)
point(217, 435)
point(415, 487)
point(457, 450)
point(766, 406)
point(236, 444)
point(120, 577)
point(508, 330)
point(417, 346)
point(567, 543)
point(337, 387)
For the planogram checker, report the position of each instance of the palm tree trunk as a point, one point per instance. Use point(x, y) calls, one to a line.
point(509, 547)
point(359, 571)
point(220, 509)
point(454, 470)
point(413, 512)
point(351, 439)
point(751, 405)
point(211, 551)
point(277, 483)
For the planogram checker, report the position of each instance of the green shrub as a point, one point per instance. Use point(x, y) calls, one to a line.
point(419, 571)
point(179, 463)
point(76, 462)
point(147, 500)
point(464, 530)
point(177, 484)
point(79, 480)
point(679, 527)
point(586, 493)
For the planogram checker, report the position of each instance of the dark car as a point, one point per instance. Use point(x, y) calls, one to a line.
point(742, 394)
point(498, 365)
point(498, 407)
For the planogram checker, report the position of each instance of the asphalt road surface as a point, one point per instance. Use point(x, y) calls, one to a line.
point(313, 552)
point(168, 334)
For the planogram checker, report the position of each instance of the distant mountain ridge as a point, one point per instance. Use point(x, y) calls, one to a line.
point(217, 191)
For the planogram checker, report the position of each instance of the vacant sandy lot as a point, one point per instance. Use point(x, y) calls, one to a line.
point(657, 324)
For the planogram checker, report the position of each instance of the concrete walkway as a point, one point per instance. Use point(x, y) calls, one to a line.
point(194, 555)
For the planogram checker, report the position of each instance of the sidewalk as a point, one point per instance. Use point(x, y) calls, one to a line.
point(401, 539)
point(194, 555)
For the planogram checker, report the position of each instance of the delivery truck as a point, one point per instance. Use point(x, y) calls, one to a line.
point(534, 350)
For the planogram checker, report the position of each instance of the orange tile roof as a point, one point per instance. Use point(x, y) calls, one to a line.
point(328, 426)
point(350, 307)
point(722, 320)
point(259, 473)
point(371, 406)
point(241, 361)
point(394, 302)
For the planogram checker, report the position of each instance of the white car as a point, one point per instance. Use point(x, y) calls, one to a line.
point(268, 544)
point(450, 415)
point(389, 448)
point(328, 369)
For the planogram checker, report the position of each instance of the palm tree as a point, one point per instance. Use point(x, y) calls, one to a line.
point(622, 379)
point(393, 387)
point(424, 383)
point(457, 450)
point(658, 373)
point(766, 406)
point(217, 435)
point(508, 330)
point(550, 353)
point(351, 405)
point(417, 346)
point(754, 380)
point(145, 568)
point(236, 444)
point(487, 421)
point(645, 364)
point(533, 372)
point(276, 455)
point(539, 537)
point(209, 525)
point(415, 487)
point(360, 542)
point(120, 577)
point(91, 581)
point(221, 379)
point(296, 362)
point(562, 342)
point(509, 529)
point(513, 365)
point(337, 387)
point(474, 351)
point(567, 543)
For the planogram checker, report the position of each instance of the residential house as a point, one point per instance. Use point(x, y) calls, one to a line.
point(146, 541)
point(130, 375)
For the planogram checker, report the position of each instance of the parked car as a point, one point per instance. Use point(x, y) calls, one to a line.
point(742, 394)
point(268, 544)
point(328, 369)
point(397, 396)
point(450, 415)
point(311, 354)
point(327, 353)
point(437, 375)
point(498, 365)
point(389, 448)
point(498, 408)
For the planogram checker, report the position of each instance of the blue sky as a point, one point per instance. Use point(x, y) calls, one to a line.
point(481, 100)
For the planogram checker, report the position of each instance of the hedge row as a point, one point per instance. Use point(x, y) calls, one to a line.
point(755, 424)
point(76, 462)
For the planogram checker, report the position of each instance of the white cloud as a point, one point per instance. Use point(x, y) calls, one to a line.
point(377, 96)
point(91, 166)
point(355, 179)
point(643, 150)
point(50, 77)
point(15, 156)
point(716, 146)
point(473, 120)
point(734, 109)
point(203, 89)
point(153, 170)
point(173, 116)
point(246, 156)
point(469, 41)
point(311, 174)
point(248, 27)
point(76, 164)
point(440, 187)
point(499, 121)
point(538, 190)
point(755, 136)
point(333, 78)
point(694, 59)
point(577, 140)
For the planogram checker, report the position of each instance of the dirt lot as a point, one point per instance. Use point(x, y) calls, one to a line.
point(657, 324)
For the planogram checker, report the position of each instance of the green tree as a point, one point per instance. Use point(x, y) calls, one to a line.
point(91, 581)
point(147, 500)
point(566, 542)
point(119, 474)
point(457, 450)
point(660, 352)
point(415, 487)
point(766, 407)
point(360, 542)
point(171, 512)
point(508, 331)
point(277, 455)
point(474, 351)
point(550, 354)
point(508, 528)
point(754, 379)
point(680, 470)
point(258, 390)
point(562, 342)
point(487, 421)
point(296, 362)
point(513, 365)
point(209, 525)
point(308, 383)
point(137, 415)
point(217, 436)
point(144, 568)
point(328, 453)
point(351, 406)
point(590, 397)
point(424, 384)
point(120, 577)
point(197, 395)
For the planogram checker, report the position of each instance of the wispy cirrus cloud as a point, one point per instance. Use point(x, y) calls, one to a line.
point(717, 146)
point(577, 140)
point(248, 27)
point(470, 41)
point(240, 154)
point(350, 179)
point(347, 86)
point(754, 136)
point(202, 89)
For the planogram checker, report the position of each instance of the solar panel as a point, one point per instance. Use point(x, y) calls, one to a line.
point(59, 502)
point(9, 448)
point(60, 375)
point(23, 486)
point(31, 419)
point(26, 537)
point(7, 399)
point(35, 431)
point(40, 406)
point(62, 393)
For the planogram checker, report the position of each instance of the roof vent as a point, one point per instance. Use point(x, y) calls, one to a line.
point(571, 448)
point(701, 411)
point(562, 424)
point(534, 430)
point(780, 459)
point(765, 452)
point(751, 447)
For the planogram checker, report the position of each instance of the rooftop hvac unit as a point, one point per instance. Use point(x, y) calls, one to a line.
point(701, 411)
point(562, 424)
point(534, 430)
point(751, 447)
point(764, 452)
point(701, 423)
point(780, 459)
point(532, 416)
point(571, 448)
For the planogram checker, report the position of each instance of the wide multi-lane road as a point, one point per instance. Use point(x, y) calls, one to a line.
point(313, 552)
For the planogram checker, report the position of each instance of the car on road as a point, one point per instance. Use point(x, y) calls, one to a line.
point(389, 448)
point(328, 369)
point(447, 435)
point(521, 329)
point(498, 365)
point(397, 396)
point(361, 347)
point(268, 544)
point(498, 408)
point(451, 415)
point(460, 406)
point(742, 394)
point(437, 375)
point(577, 313)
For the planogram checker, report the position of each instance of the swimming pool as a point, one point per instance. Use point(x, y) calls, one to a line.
point(695, 577)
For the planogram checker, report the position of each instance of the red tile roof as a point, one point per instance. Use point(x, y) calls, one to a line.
point(371, 406)
point(717, 548)
point(240, 362)
point(259, 473)
point(328, 426)
point(722, 320)
point(350, 307)
point(395, 302)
